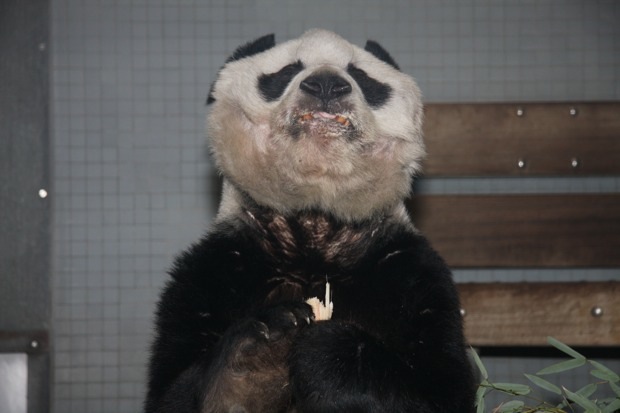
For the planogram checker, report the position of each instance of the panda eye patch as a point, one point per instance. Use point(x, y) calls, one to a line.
point(375, 92)
point(272, 86)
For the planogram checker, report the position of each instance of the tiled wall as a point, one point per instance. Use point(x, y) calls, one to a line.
point(132, 183)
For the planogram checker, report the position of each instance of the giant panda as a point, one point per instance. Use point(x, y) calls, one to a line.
point(317, 141)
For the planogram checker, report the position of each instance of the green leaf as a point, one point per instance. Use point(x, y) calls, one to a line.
point(562, 366)
point(587, 391)
point(582, 401)
point(604, 373)
point(480, 393)
point(511, 406)
point(564, 348)
point(615, 388)
point(480, 399)
point(512, 388)
point(612, 407)
point(544, 384)
point(478, 362)
point(599, 374)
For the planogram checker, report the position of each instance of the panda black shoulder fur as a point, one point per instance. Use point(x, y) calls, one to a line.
point(318, 141)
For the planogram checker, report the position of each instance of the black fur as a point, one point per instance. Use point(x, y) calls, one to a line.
point(210, 98)
point(375, 92)
point(394, 344)
point(272, 85)
point(380, 53)
point(254, 47)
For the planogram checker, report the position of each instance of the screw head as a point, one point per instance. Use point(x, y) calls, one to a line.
point(34, 344)
point(596, 311)
point(520, 111)
point(521, 163)
point(42, 193)
point(573, 112)
point(574, 162)
point(463, 312)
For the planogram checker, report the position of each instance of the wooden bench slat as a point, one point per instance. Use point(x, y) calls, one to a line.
point(489, 139)
point(525, 314)
point(527, 231)
point(546, 231)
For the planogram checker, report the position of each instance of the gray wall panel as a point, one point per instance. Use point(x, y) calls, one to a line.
point(24, 166)
point(25, 258)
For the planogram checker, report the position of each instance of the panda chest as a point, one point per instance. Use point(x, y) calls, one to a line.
point(298, 266)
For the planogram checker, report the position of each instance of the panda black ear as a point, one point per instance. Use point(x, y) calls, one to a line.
point(380, 53)
point(254, 47)
point(210, 98)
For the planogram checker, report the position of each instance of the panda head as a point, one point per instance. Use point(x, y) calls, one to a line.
point(315, 123)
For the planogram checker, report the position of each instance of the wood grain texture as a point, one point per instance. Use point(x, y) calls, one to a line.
point(525, 314)
point(489, 139)
point(559, 231)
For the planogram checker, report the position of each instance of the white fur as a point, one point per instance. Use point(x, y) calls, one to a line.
point(352, 179)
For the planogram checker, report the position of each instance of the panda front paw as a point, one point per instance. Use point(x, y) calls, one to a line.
point(283, 320)
point(267, 335)
point(250, 372)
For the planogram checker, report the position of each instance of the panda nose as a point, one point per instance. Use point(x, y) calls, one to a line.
point(325, 86)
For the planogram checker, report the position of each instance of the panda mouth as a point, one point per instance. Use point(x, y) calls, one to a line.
point(325, 117)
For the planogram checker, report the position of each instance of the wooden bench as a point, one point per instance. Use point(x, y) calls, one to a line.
point(537, 230)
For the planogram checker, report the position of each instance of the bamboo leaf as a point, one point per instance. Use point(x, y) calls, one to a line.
point(562, 366)
point(603, 372)
point(512, 388)
point(544, 384)
point(564, 403)
point(480, 399)
point(615, 388)
point(599, 374)
point(612, 407)
point(582, 401)
point(480, 393)
point(478, 362)
point(511, 406)
point(564, 348)
point(587, 391)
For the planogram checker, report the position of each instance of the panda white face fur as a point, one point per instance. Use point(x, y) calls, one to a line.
point(316, 123)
